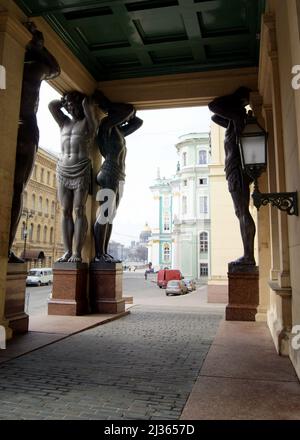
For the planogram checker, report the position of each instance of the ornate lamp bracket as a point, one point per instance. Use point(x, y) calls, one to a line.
point(287, 202)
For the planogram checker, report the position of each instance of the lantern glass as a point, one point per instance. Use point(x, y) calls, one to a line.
point(254, 149)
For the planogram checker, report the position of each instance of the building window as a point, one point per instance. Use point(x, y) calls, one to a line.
point(167, 202)
point(185, 183)
point(203, 181)
point(40, 208)
point(167, 222)
point(204, 243)
point(52, 209)
point(203, 269)
point(202, 157)
point(33, 202)
point(48, 177)
point(184, 205)
point(45, 234)
point(23, 231)
point(54, 180)
point(25, 199)
point(203, 205)
point(51, 235)
point(47, 206)
point(38, 233)
point(167, 253)
point(34, 172)
point(42, 175)
point(31, 230)
point(184, 157)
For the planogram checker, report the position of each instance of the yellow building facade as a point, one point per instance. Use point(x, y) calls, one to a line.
point(40, 223)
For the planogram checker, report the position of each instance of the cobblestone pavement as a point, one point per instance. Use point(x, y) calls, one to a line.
point(142, 366)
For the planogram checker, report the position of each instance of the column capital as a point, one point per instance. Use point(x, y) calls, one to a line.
point(10, 25)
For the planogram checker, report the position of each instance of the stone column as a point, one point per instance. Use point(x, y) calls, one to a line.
point(13, 39)
point(106, 281)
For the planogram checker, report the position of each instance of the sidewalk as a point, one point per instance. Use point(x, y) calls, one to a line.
point(47, 329)
point(243, 378)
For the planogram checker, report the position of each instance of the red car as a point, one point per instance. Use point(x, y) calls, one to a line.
point(166, 275)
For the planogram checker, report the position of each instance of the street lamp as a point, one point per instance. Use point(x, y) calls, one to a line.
point(253, 143)
point(27, 215)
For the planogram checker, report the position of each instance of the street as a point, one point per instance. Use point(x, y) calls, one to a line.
point(144, 292)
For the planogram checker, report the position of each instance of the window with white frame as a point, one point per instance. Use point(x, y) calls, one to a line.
point(185, 183)
point(203, 242)
point(184, 205)
point(203, 181)
point(184, 159)
point(203, 202)
point(203, 269)
point(167, 252)
point(202, 157)
point(167, 221)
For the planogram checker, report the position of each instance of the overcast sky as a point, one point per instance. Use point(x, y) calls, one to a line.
point(149, 148)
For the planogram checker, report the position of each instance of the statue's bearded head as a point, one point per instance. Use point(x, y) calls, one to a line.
point(72, 102)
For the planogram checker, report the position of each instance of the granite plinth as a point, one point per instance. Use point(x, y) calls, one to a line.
point(16, 297)
point(106, 288)
point(243, 292)
point(69, 294)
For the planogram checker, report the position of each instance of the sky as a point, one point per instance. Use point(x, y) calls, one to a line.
point(149, 148)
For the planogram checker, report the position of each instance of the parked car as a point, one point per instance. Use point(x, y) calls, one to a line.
point(164, 276)
point(190, 284)
point(176, 287)
point(39, 276)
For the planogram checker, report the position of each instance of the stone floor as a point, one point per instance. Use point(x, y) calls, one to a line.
point(142, 366)
point(243, 378)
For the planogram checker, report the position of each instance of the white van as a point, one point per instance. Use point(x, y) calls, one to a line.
point(39, 275)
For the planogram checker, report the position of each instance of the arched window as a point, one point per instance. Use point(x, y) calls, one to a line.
point(47, 206)
point(33, 202)
point(53, 209)
point(40, 208)
point(51, 235)
point(167, 253)
point(184, 159)
point(48, 177)
point(202, 157)
point(38, 233)
point(184, 205)
point(42, 175)
point(34, 171)
point(31, 230)
point(45, 234)
point(203, 243)
point(25, 199)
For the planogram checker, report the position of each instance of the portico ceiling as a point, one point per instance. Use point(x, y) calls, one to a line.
point(121, 39)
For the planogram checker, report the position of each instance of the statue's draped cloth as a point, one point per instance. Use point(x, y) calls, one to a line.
point(76, 176)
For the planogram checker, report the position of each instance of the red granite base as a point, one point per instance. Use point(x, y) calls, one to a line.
point(69, 294)
point(243, 292)
point(106, 288)
point(15, 298)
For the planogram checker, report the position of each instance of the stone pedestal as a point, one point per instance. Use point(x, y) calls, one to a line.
point(15, 298)
point(106, 280)
point(69, 294)
point(243, 293)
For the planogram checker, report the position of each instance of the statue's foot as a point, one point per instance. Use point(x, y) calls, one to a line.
point(64, 258)
point(12, 258)
point(105, 258)
point(243, 261)
point(75, 258)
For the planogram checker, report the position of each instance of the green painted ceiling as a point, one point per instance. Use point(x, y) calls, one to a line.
point(136, 38)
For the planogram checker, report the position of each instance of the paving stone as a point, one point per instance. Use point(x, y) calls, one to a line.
point(142, 366)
